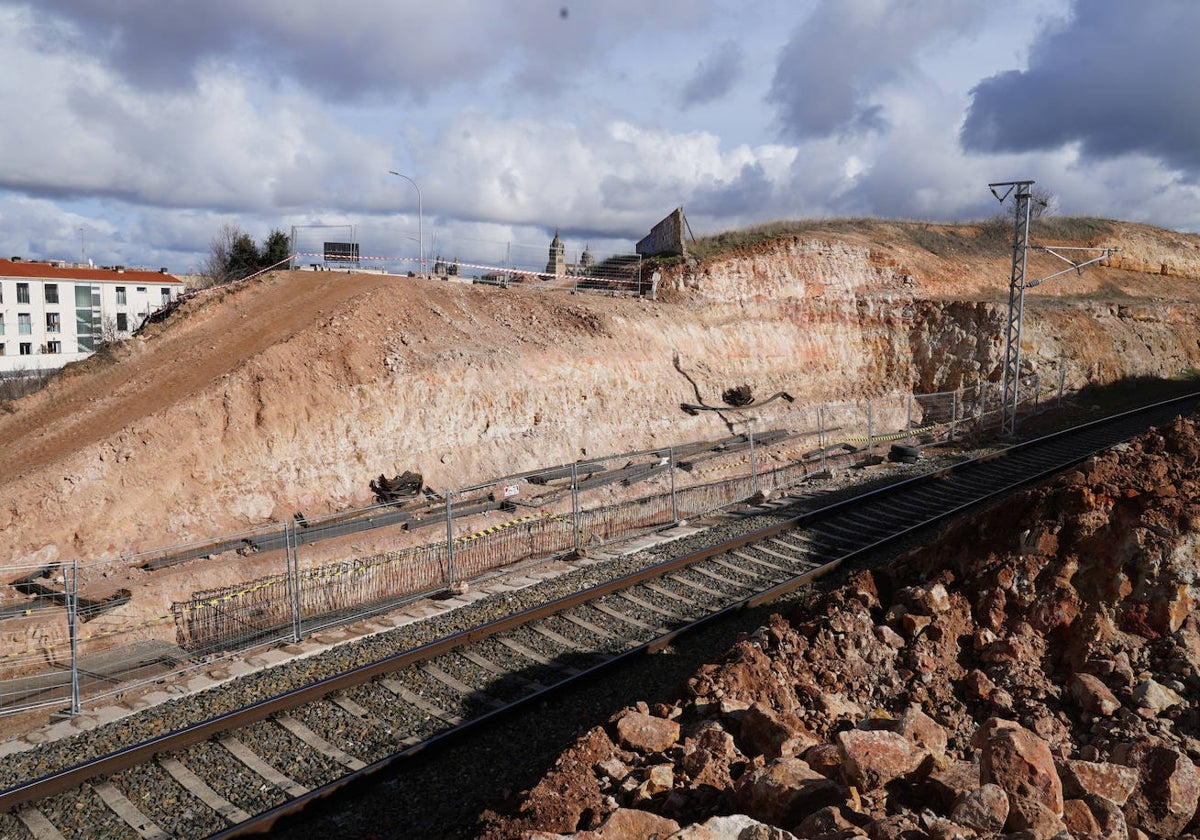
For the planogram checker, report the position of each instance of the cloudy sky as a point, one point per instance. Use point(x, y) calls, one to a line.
point(135, 129)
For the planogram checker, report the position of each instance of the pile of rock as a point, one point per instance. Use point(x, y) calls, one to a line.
point(1031, 674)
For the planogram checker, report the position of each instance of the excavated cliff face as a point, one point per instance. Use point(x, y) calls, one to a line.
point(292, 392)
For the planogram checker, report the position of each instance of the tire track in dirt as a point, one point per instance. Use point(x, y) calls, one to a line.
point(199, 344)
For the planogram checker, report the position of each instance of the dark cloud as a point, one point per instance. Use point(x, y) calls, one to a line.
point(351, 50)
point(746, 195)
point(835, 63)
point(1117, 78)
point(715, 76)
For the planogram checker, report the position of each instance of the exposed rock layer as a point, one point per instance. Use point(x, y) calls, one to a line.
point(291, 393)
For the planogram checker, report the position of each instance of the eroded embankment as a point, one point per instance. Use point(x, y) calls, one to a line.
point(292, 393)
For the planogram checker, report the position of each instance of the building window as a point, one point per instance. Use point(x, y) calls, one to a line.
point(53, 322)
point(141, 290)
point(1, 323)
point(51, 293)
point(122, 322)
point(1, 348)
point(87, 316)
point(53, 346)
point(166, 294)
point(26, 348)
point(24, 323)
point(120, 295)
point(22, 293)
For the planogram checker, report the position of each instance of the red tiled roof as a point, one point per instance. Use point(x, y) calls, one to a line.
point(46, 271)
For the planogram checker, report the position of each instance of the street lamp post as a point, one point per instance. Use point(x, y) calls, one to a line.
point(420, 232)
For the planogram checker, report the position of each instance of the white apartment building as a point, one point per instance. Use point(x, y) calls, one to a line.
point(52, 313)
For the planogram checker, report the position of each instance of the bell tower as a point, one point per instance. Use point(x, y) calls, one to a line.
point(557, 264)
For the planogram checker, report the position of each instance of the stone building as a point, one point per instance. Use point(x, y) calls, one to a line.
point(557, 264)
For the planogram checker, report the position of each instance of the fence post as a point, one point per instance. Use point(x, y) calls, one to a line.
point(1037, 388)
point(908, 421)
point(953, 413)
point(821, 433)
point(1062, 379)
point(870, 428)
point(674, 498)
point(982, 404)
point(575, 514)
point(753, 464)
point(72, 631)
point(449, 539)
point(292, 559)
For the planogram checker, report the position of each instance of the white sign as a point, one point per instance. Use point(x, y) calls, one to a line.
point(511, 490)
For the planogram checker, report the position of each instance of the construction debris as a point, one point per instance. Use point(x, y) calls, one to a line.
point(399, 488)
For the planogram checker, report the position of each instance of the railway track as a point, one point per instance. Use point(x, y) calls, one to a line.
point(239, 772)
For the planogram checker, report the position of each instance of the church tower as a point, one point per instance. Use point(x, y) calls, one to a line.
point(557, 264)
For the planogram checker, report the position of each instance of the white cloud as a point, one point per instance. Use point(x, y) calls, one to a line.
point(160, 124)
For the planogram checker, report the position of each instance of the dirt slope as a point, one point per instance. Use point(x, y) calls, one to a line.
point(209, 339)
point(291, 393)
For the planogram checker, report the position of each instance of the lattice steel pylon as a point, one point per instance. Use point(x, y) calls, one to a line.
point(1016, 300)
point(1022, 193)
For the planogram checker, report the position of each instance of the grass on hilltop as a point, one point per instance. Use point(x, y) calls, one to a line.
point(980, 238)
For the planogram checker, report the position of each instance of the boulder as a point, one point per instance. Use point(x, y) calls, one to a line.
point(1169, 790)
point(785, 791)
point(624, 823)
point(644, 733)
point(1114, 782)
point(709, 755)
point(660, 779)
point(1108, 815)
point(732, 827)
point(889, 637)
point(773, 734)
point(1154, 696)
point(1020, 762)
point(1079, 819)
point(984, 809)
point(922, 730)
point(1092, 695)
point(950, 783)
point(1030, 815)
point(872, 759)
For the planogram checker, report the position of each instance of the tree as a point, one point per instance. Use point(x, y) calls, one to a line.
point(233, 255)
point(1042, 202)
point(244, 258)
point(276, 248)
point(215, 270)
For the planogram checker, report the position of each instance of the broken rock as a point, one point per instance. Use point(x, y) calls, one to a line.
point(1020, 762)
point(644, 733)
point(1092, 695)
point(984, 809)
point(785, 791)
point(872, 759)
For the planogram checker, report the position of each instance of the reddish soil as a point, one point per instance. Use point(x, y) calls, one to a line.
point(1033, 673)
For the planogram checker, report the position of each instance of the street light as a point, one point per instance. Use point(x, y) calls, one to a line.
point(420, 233)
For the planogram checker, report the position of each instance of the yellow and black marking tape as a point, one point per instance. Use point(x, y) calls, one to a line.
point(895, 436)
point(512, 523)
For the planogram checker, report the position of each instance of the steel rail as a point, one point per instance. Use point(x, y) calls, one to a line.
point(70, 778)
point(265, 822)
